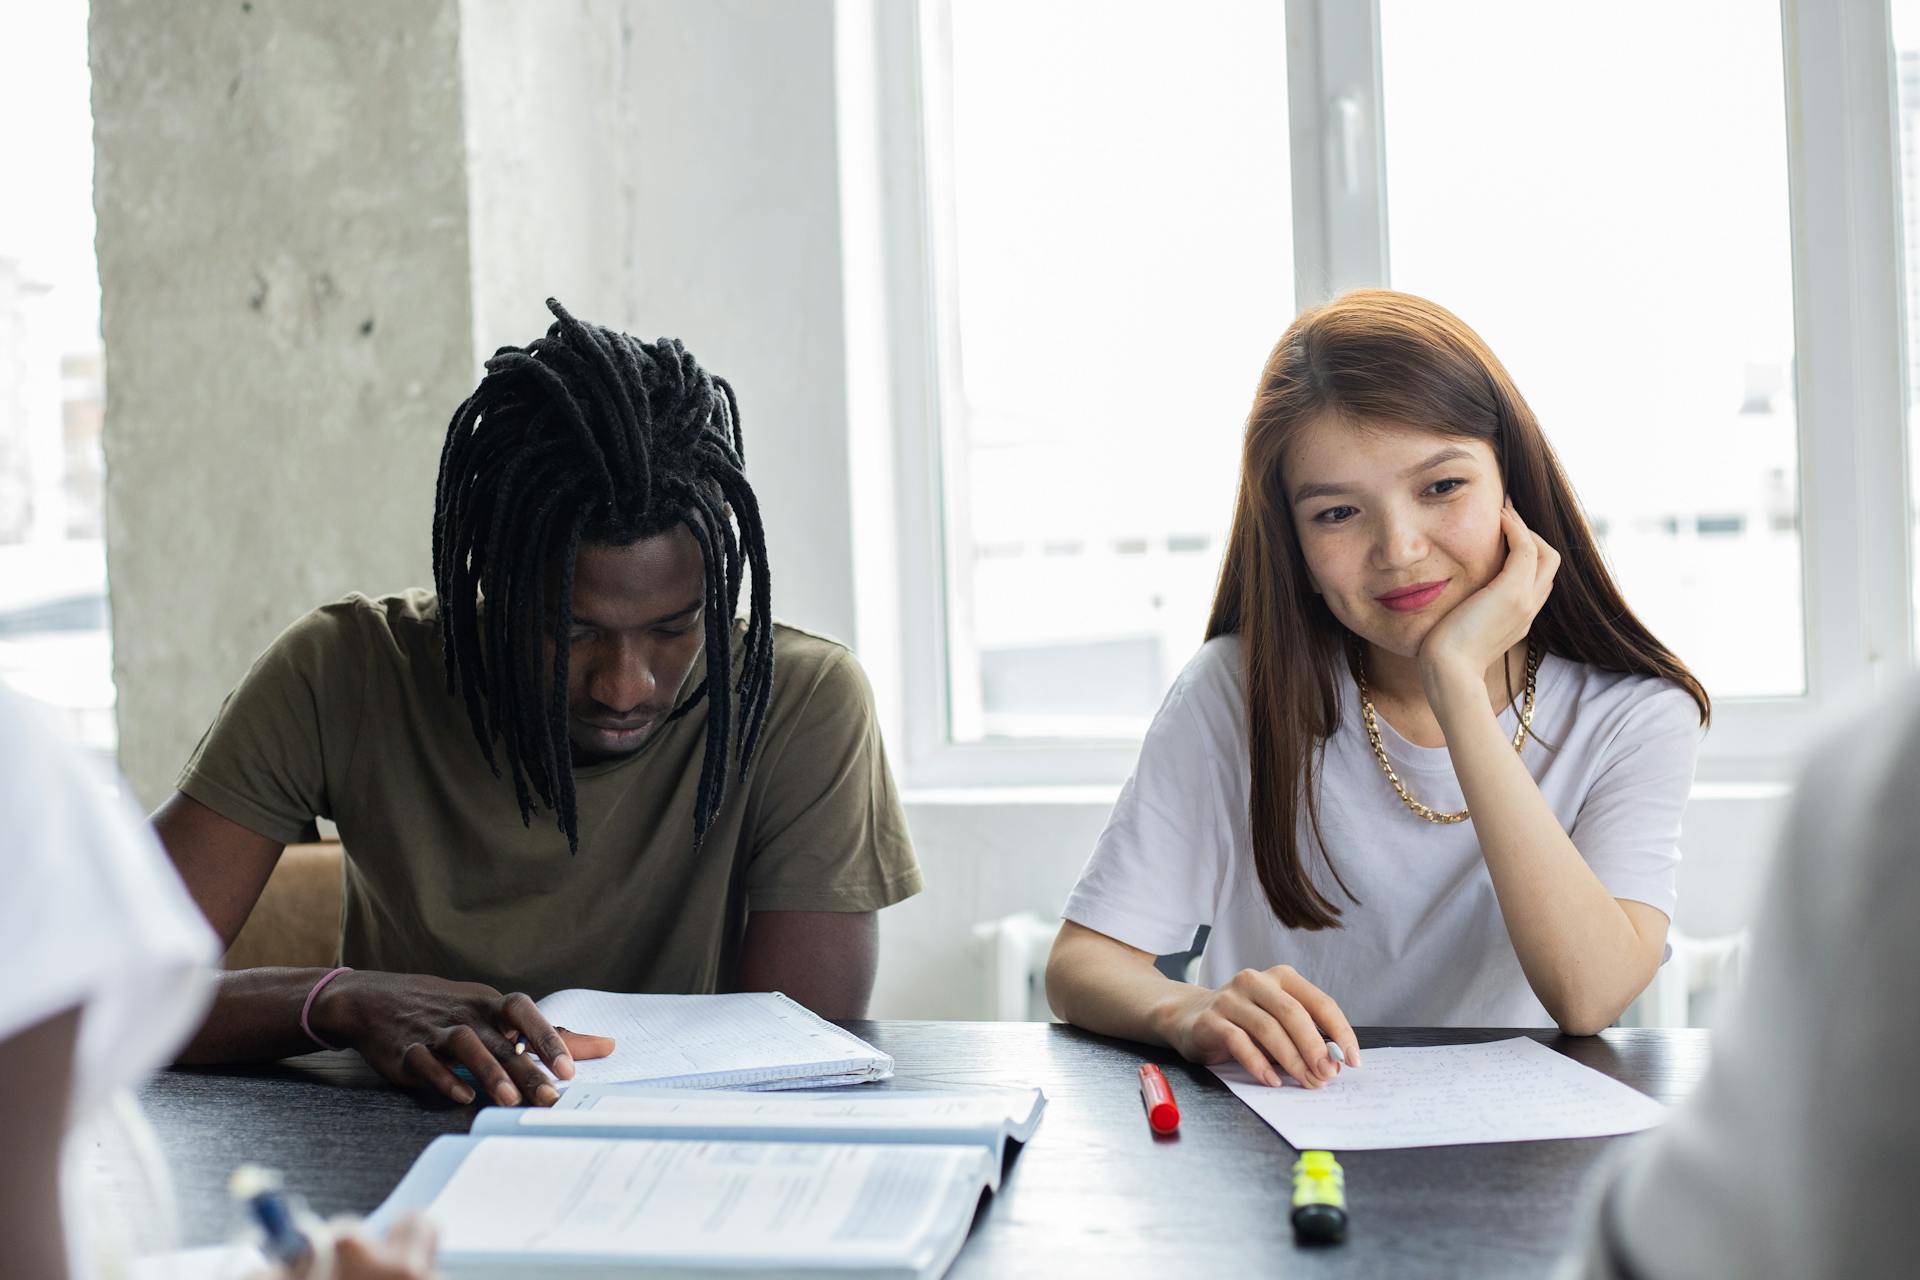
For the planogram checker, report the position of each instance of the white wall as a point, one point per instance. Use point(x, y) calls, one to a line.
point(552, 196)
point(735, 250)
point(983, 859)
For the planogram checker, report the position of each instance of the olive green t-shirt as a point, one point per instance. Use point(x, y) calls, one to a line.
point(347, 717)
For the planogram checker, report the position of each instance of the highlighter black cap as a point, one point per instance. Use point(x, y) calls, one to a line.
point(1319, 1224)
point(1319, 1199)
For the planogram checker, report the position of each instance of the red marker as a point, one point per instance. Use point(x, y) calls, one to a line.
point(1163, 1115)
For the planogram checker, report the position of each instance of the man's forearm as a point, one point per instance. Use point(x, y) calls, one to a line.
point(826, 960)
point(256, 1017)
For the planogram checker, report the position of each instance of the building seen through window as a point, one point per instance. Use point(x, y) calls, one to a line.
point(1906, 44)
point(1112, 226)
point(54, 643)
point(1628, 257)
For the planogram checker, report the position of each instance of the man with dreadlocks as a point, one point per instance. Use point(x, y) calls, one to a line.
point(569, 765)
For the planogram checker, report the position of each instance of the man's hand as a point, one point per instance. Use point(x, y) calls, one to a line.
point(348, 1253)
point(414, 1029)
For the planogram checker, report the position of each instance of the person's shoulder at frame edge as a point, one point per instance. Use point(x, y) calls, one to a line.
point(814, 676)
point(1633, 696)
point(403, 620)
point(1219, 665)
point(1212, 690)
point(822, 739)
point(304, 694)
point(821, 699)
point(1834, 869)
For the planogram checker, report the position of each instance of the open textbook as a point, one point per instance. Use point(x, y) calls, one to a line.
point(1515, 1090)
point(979, 1115)
point(523, 1195)
point(750, 1040)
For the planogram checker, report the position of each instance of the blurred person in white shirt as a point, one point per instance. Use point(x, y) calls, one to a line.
point(1799, 1154)
point(105, 970)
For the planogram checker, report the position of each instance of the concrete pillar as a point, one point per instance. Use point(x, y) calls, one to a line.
point(315, 221)
point(281, 194)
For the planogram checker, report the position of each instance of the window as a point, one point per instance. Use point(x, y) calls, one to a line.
point(1906, 46)
point(1110, 208)
point(1628, 256)
point(53, 623)
point(1694, 297)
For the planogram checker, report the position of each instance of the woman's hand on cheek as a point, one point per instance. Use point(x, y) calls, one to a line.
point(1474, 635)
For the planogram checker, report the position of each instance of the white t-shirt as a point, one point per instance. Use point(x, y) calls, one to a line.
point(91, 916)
point(1425, 945)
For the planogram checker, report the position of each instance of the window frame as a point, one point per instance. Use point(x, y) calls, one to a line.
point(1849, 363)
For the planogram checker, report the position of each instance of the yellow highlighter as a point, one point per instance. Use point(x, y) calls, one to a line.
point(1319, 1199)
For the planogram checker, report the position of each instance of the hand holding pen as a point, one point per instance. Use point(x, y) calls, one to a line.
point(421, 1031)
point(1268, 1021)
point(302, 1247)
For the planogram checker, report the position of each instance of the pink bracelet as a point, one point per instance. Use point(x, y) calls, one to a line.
point(307, 1008)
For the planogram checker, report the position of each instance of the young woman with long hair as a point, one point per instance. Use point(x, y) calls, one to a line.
point(1427, 769)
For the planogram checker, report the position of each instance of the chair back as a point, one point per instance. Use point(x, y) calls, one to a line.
point(297, 919)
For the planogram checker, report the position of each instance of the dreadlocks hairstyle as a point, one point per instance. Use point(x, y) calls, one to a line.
point(590, 435)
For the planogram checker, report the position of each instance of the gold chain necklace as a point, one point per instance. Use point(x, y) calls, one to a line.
point(1380, 753)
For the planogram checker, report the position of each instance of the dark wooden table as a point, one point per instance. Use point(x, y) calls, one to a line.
point(1095, 1191)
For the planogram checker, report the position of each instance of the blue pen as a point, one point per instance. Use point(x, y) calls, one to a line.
point(259, 1189)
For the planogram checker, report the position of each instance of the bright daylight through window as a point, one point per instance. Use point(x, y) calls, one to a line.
point(1111, 268)
point(1112, 265)
point(53, 603)
point(1906, 52)
point(1626, 252)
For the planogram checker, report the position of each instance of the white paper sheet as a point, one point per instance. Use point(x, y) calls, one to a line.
point(663, 1200)
point(1441, 1095)
point(747, 1036)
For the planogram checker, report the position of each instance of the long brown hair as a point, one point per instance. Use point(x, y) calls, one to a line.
point(1377, 356)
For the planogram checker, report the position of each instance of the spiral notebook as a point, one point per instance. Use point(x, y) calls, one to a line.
point(749, 1040)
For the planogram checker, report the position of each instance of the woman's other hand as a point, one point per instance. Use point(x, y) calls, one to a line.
point(1261, 1019)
